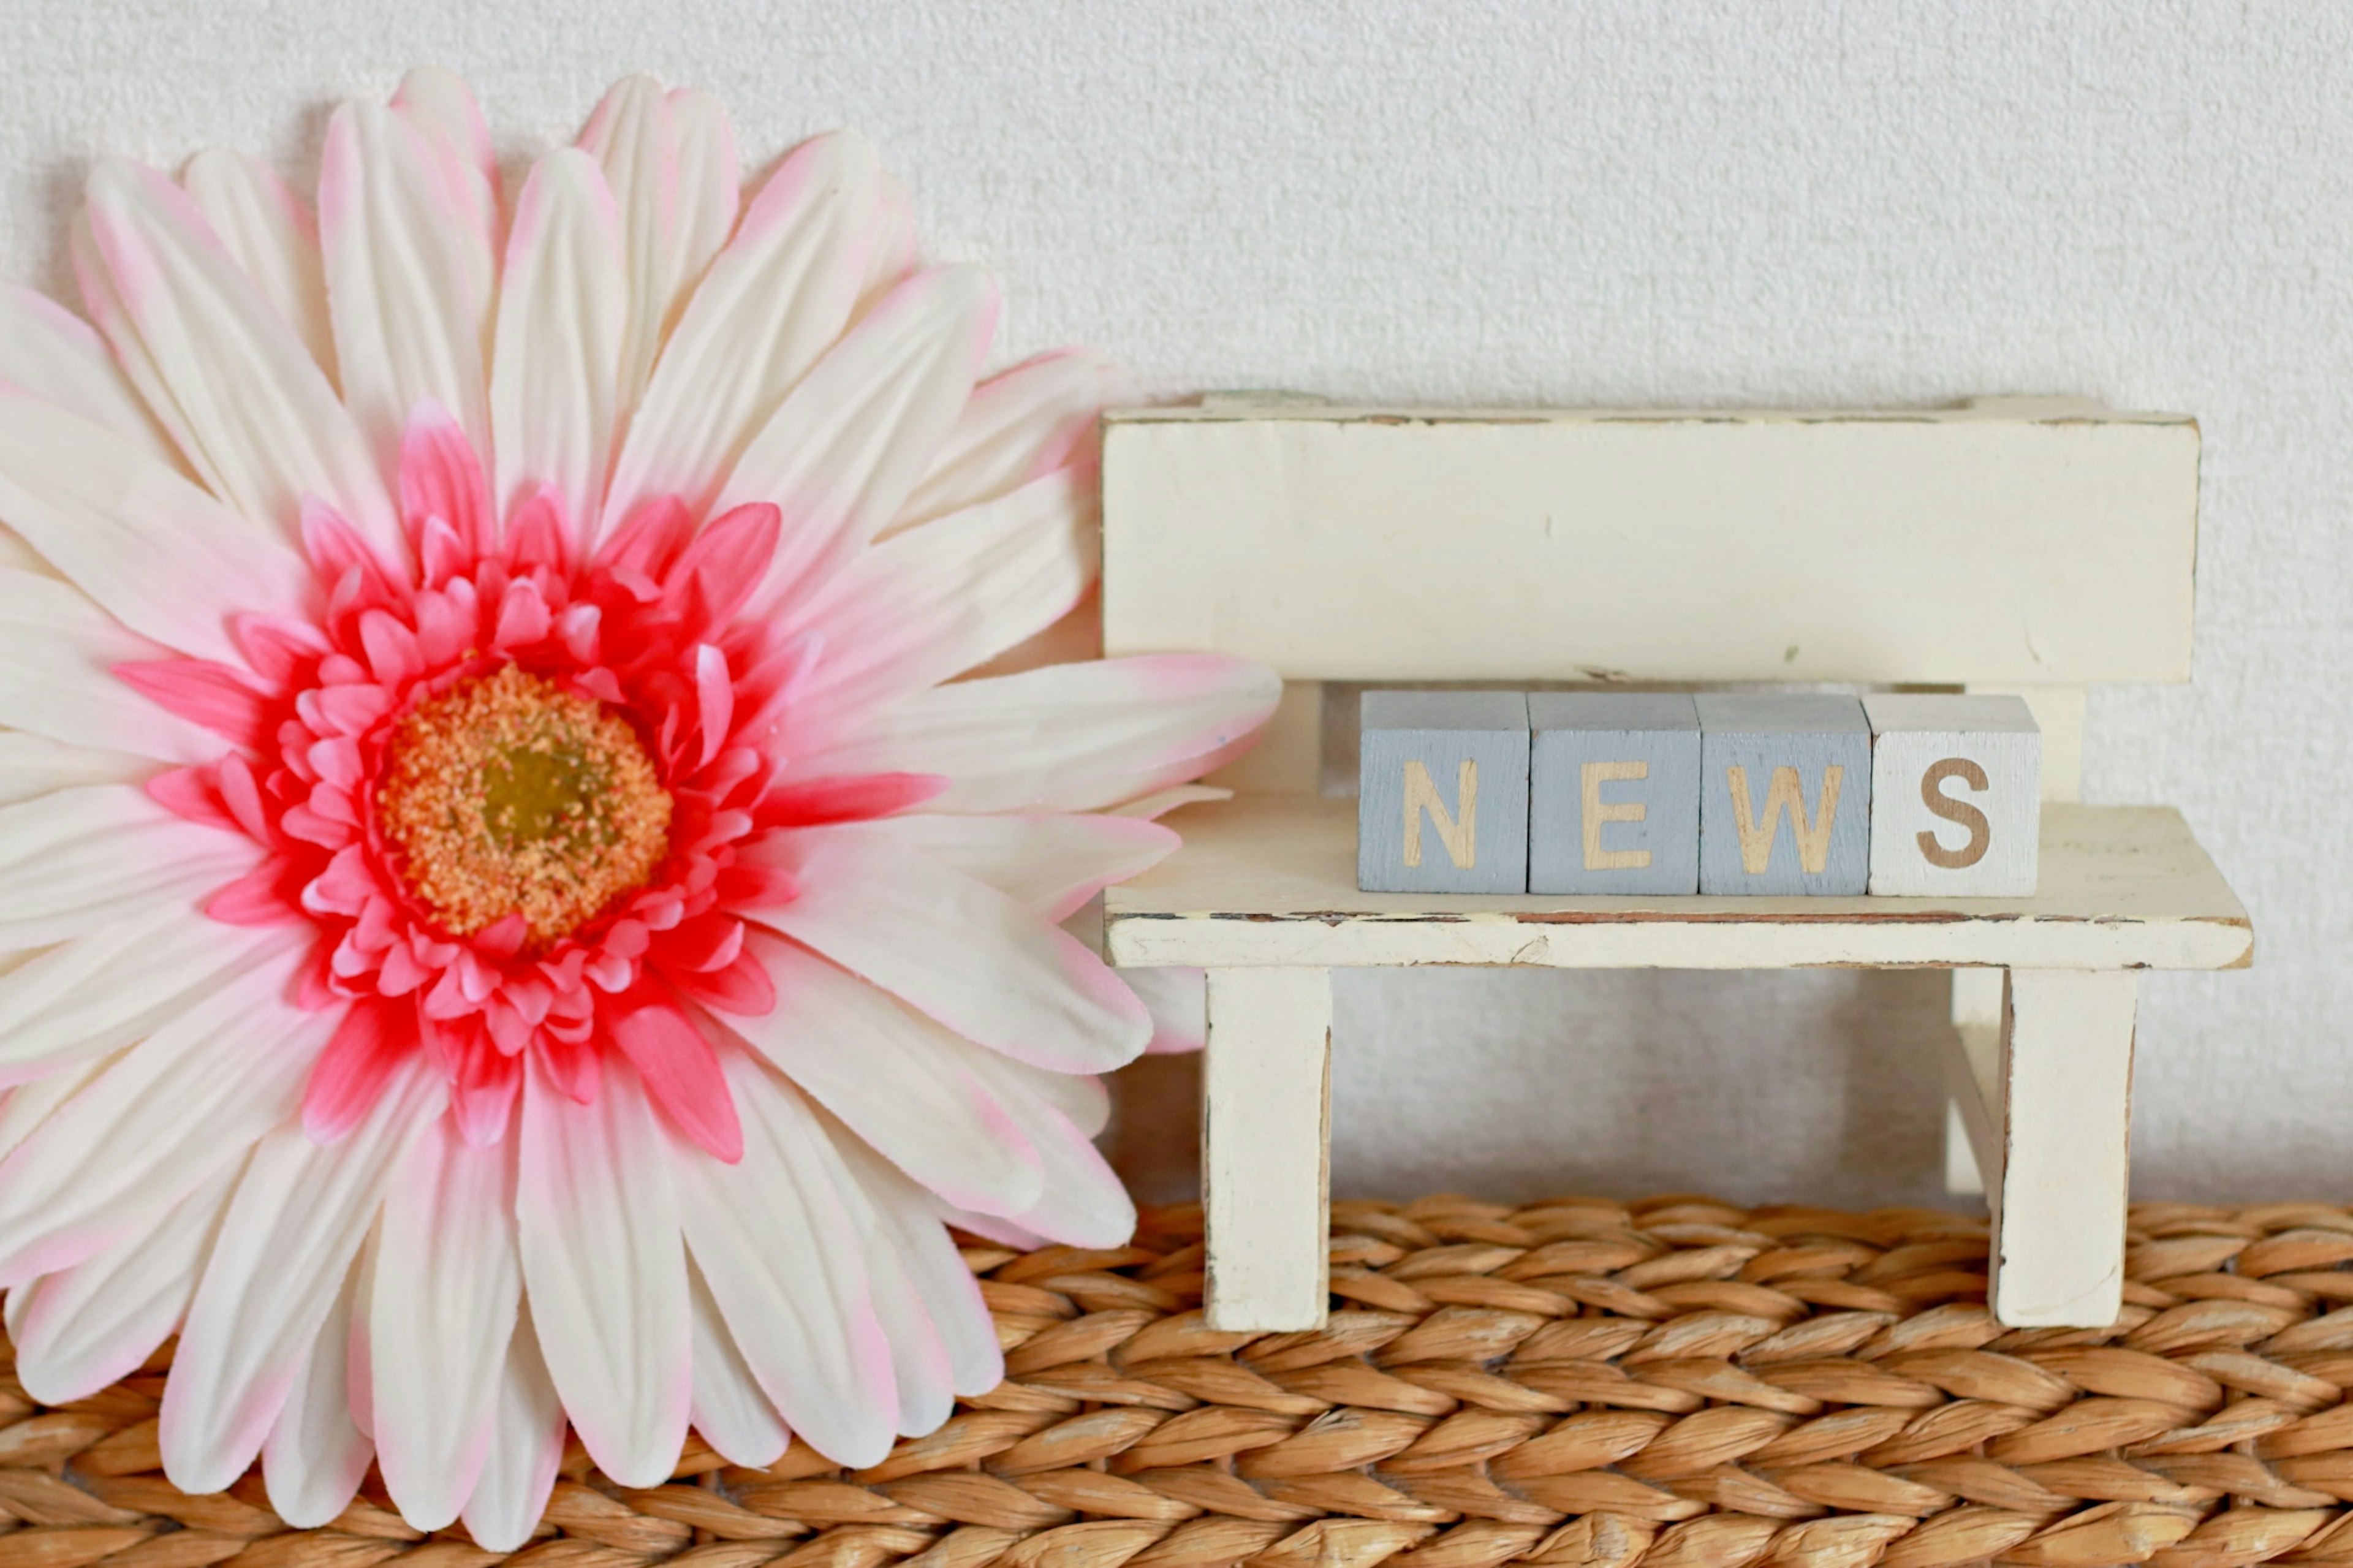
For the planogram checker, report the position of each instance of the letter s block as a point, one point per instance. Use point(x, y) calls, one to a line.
point(1613, 793)
point(1442, 792)
point(1956, 795)
point(1785, 793)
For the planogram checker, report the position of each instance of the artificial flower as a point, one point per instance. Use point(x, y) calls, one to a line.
point(517, 907)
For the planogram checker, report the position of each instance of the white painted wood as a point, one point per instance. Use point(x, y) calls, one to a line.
point(2021, 542)
point(1973, 1098)
point(1265, 1148)
point(1956, 795)
point(1273, 882)
point(2058, 1203)
point(1971, 1065)
point(1962, 1177)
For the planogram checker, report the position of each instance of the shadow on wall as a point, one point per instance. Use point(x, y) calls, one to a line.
point(1817, 1087)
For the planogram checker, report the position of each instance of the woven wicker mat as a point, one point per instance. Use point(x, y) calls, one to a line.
point(1669, 1381)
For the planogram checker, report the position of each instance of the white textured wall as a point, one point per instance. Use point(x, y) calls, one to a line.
point(1725, 203)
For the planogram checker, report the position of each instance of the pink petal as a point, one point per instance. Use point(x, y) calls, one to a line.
point(536, 534)
point(852, 797)
point(573, 1068)
point(650, 540)
point(441, 477)
point(743, 988)
point(220, 697)
point(714, 697)
point(188, 792)
point(367, 1047)
point(681, 1072)
point(256, 899)
point(718, 572)
point(522, 617)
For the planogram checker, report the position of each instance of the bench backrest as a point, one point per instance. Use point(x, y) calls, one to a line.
point(2009, 543)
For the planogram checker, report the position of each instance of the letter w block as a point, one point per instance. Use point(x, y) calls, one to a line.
point(1785, 794)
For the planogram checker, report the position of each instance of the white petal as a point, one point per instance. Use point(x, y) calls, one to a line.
point(28, 1105)
point(33, 766)
point(440, 105)
point(285, 1250)
point(1083, 1203)
point(525, 1449)
point(273, 235)
point(890, 254)
point(442, 1312)
point(783, 1262)
point(163, 557)
point(406, 305)
point(730, 1410)
point(905, 1217)
point(561, 315)
point(230, 379)
point(97, 1322)
point(315, 1457)
point(606, 1276)
point(97, 993)
point(882, 1068)
point(49, 352)
point(1053, 863)
point(936, 601)
point(82, 859)
point(171, 1112)
point(57, 654)
point(956, 949)
point(1017, 427)
point(769, 304)
point(1161, 802)
point(849, 443)
point(1178, 1001)
point(1070, 737)
point(670, 158)
point(921, 1368)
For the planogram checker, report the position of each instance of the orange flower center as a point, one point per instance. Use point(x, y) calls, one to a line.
point(509, 795)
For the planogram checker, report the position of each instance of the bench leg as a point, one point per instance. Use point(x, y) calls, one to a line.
point(1970, 1077)
point(1266, 1148)
point(2058, 1200)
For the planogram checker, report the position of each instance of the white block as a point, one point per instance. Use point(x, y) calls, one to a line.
point(1955, 796)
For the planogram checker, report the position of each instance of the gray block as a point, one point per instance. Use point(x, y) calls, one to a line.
point(1769, 821)
point(1442, 802)
point(1613, 793)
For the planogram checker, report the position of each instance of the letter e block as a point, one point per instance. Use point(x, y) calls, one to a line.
point(1785, 794)
point(1613, 793)
point(1442, 797)
point(1955, 796)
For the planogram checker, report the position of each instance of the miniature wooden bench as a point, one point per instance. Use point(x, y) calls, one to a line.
point(2034, 546)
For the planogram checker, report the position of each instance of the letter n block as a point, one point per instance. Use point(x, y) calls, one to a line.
point(1613, 793)
point(1785, 793)
point(1442, 796)
point(1955, 796)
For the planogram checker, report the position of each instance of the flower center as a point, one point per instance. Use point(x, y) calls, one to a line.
point(509, 795)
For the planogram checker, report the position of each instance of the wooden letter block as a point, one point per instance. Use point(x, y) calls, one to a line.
point(1442, 802)
point(1955, 796)
point(1785, 794)
point(1613, 793)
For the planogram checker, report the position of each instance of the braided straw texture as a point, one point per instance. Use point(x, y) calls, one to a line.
point(1667, 1382)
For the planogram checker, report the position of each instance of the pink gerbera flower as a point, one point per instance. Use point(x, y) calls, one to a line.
point(508, 913)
